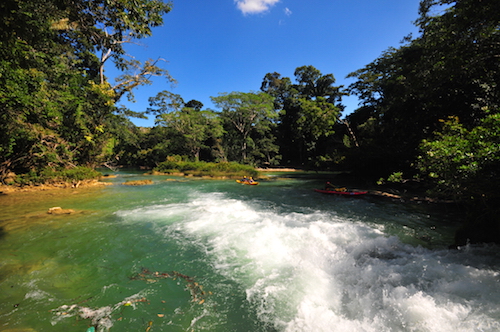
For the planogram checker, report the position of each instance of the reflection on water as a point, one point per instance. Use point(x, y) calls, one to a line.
point(197, 255)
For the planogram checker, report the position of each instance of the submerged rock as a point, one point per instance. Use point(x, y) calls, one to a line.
point(138, 183)
point(59, 210)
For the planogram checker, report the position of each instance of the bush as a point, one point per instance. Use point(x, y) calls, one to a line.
point(200, 168)
point(51, 175)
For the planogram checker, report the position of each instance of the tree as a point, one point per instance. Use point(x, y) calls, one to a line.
point(55, 105)
point(308, 112)
point(278, 87)
point(452, 69)
point(464, 164)
point(57, 110)
point(192, 126)
point(450, 75)
point(195, 126)
point(138, 74)
point(105, 27)
point(99, 30)
point(194, 104)
point(165, 102)
point(317, 120)
point(246, 116)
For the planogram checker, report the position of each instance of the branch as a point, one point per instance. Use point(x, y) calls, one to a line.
point(351, 133)
point(128, 82)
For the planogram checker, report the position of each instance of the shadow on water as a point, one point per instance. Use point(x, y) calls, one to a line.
point(306, 175)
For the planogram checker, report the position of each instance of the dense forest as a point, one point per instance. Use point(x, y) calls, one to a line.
point(429, 111)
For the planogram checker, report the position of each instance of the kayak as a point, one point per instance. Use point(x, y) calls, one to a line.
point(346, 193)
point(336, 192)
point(253, 183)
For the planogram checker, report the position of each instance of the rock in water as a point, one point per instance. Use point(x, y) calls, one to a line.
point(59, 210)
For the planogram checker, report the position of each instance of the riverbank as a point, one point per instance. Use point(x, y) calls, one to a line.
point(395, 192)
point(9, 189)
point(278, 169)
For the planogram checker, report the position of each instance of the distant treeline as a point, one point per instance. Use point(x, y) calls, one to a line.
point(429, 111)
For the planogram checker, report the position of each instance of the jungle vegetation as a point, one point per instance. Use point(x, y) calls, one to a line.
point(429, 111)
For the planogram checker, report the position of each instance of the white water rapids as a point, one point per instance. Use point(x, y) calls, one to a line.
point(317, 271)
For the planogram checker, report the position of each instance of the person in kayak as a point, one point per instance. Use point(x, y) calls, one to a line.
point(329, 186)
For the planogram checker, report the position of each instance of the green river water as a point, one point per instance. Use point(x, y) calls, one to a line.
point(187, 254)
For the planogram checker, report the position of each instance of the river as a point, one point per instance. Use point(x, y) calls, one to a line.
point(186, 254)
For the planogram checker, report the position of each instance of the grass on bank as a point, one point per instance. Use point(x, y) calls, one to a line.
point(200, 168)
point(50, 175)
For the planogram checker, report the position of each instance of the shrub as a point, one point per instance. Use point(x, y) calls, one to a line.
point(51, 175)
point(200, 168)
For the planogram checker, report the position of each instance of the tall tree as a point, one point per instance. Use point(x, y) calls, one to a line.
point(452, 69)
point(308, 112)
point(194, 125)
point(106, 27)
point(245, 116)
point(448, 75)
point(165, 102)
point(57, 109)
point(45, 92)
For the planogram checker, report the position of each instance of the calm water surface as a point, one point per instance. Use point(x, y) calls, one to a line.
point(212, 255)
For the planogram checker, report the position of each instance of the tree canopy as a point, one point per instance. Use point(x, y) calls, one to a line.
point(308, 111)
point(194, 126)
point(430, 109)
point(58, 109)
point(452, 69)
point(247, 120)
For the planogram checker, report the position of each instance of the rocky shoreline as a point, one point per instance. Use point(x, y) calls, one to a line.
point(382, 192)
point(9, 189)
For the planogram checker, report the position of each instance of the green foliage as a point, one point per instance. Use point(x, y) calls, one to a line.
point(137, 74)
point(396, 177)
point(49, 175)
point(57, 108)
point(175, 164)
point(452, 69)
point(180, 130)
point(248, 123)
point(144, 146)
point(464, 163)
point(193, 126)
point(308, 112)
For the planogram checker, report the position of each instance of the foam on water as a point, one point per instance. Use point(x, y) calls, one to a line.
point(319, 272)
point(100, 317)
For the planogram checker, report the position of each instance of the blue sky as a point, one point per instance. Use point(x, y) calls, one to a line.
point(229, 45)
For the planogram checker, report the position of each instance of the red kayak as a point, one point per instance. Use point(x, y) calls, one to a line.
point(336, 192)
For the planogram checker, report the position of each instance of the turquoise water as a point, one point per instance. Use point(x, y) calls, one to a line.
point(213, 255)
